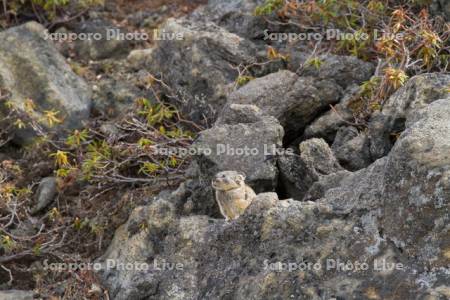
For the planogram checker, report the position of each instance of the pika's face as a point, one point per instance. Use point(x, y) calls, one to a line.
point(228, 180)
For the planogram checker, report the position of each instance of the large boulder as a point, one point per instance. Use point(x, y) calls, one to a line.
point(31, 68)
point(104, 40)
point(295, 101)
point(238, 16)
point(408, 189)
point(318, 157)
point(326, 251)
point(327, 125)
point(441, 7)
point(417, 93)
point(132, 244)
point(417, 186)
point(299, 172)
point(17, 295)
point(200, 67)
point(349, 192)
point(112, 97)
point(240, 113)
point(250, 148)
point(351, 148)
point(345, 70)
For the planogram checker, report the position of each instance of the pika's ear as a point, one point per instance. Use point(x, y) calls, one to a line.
point(241, 176)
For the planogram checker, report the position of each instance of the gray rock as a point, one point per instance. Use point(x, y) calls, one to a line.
point(16, 295)
point(351, 192)
point(417, 93)
point(329, 123)
point(318, 156)
point(299, 172)
point(113, 97)
point(295, 176)
point(417, 185)
point(139, 57)
point(239, 113)
point(351, 148)
point(343, 136)
point(109, 45)
point(294, 101)
point(216, 9)
point(394, 211)
point(441, 7)
point(345, 70)
point(40, 73)
point(237, 16)
point(408, 188)
point(262, 203)
point(250, 148)
point(200, 66)
point(139, 246)
point(228, 145)
point(324, 183)
point(45, 194)
point(197, 257)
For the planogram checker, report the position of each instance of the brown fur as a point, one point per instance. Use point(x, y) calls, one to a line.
point(232, 194)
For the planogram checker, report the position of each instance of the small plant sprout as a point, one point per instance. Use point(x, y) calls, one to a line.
point(376, 6)
point(78, 224)
point(149, 168)
point(77, 138)
point(156, 114)
point(19, 124)
point(314, 62)
point(368, 88)
point(143, 142)
point(173, 162)
point(7, 243)
point(54, 214)
point(61, 158)
point(395, 77)
point(29, 106)
point(268, 7)
point(37, 249)
point(64, 172)
point(273, 54)
point(51, 117)
point(243, 80)
point(143, 226)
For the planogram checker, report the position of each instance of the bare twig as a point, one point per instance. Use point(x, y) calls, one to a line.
point(66, 20)
point(10, 281)
point(5, 9)
point(342, 118)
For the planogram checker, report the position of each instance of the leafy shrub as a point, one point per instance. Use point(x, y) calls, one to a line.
point(268, 7)
point(46, 12)
point(400, 37)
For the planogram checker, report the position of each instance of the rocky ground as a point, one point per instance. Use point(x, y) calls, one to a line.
point(349, 205)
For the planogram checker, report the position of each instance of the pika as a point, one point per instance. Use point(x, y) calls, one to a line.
point(232, 194)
